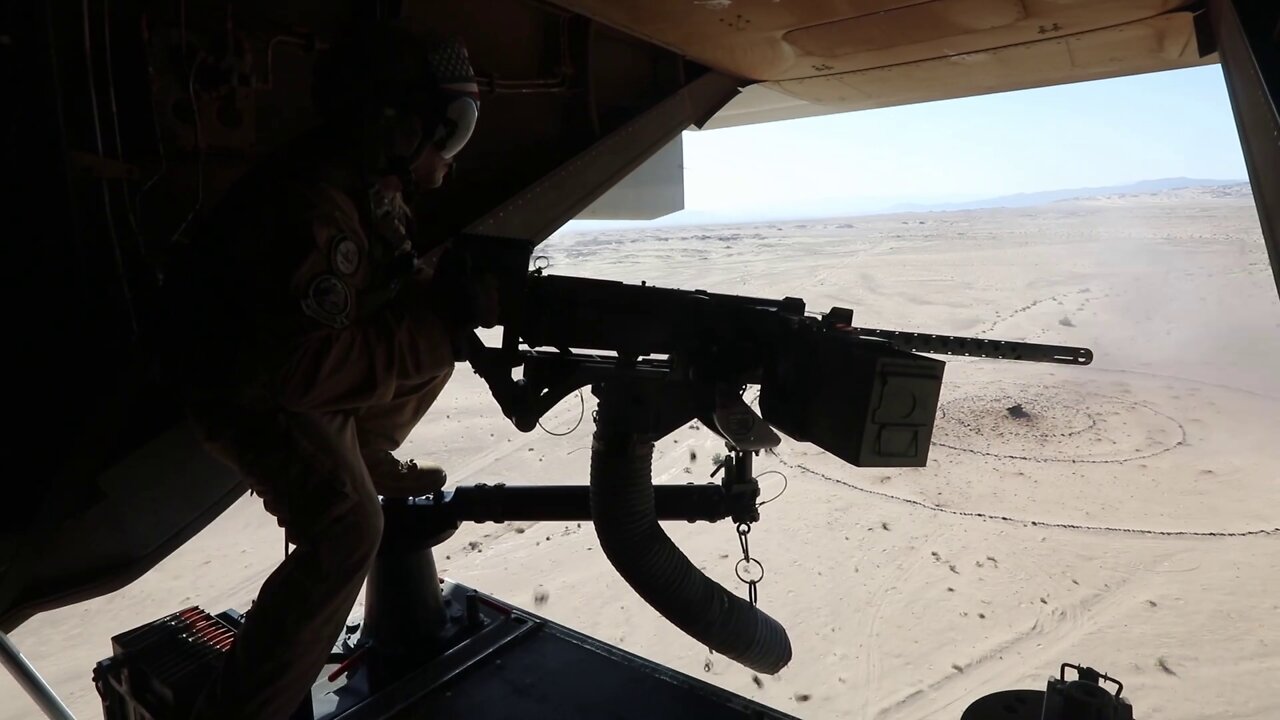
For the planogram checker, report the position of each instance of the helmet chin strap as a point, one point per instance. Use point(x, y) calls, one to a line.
point(401, 168)
point(392, 220)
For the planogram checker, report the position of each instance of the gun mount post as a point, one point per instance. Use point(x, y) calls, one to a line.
point(406, 618)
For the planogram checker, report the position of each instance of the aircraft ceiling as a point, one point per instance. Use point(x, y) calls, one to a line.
point(858, 54)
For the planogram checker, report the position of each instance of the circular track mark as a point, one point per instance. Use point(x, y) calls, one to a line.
point(1045, 423)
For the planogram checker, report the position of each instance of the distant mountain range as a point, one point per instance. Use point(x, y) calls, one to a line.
point(836, 207)
point(1143, 187)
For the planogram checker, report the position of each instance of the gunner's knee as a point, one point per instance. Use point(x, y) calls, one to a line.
point(360, 530)
point(340, 522)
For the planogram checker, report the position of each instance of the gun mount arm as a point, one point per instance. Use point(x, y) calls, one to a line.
point(420, 522)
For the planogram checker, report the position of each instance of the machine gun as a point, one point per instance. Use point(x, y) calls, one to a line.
point(657, 358)
point(861, 394)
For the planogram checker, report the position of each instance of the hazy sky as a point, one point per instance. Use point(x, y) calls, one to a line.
point(1109, 132)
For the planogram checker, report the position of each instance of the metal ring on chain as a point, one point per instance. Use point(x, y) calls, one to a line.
point(747, 566)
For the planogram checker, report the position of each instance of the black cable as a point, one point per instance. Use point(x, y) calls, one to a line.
point(784, 486)
point(582, 412)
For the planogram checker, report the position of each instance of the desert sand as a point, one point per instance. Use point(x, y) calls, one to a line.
point(1128, 521)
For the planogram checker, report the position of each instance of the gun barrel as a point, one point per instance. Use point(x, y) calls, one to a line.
point(977, 347)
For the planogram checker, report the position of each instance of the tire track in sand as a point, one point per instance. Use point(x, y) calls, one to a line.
point(1053, 635)
point(997, 322)
point(871, 676)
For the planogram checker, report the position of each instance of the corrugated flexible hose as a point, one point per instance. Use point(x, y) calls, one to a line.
point(623, 512)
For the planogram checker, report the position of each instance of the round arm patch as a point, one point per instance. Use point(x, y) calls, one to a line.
point(329, 301)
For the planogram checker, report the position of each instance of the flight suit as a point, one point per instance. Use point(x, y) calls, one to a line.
point(306, 345)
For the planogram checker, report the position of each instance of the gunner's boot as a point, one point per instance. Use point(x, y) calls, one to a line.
point(402, 479)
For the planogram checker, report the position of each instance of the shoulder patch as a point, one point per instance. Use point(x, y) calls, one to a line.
point(329, 301)
point(346, 255)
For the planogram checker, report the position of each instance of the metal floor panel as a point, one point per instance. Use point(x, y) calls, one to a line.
point(554, 672)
